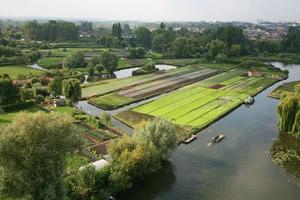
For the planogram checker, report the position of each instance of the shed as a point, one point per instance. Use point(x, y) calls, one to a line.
point(98, 165)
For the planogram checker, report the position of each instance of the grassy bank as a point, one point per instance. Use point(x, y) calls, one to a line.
point(14, 71)
point(284, 89)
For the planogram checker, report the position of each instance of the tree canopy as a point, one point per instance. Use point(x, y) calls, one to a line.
point(71, 90)
point(74, 60)
point(109, 61)
point(51, 31)
point(9, 93)
point(33, 151)
point(289, 112)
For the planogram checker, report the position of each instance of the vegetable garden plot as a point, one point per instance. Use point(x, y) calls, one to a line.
point(197, 105)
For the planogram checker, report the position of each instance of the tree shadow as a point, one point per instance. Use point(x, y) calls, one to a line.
point(151, 185)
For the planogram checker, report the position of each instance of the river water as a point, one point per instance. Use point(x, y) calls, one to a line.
point(239, 168)
point(125, 73)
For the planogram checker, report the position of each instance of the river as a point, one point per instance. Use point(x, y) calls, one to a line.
point(240, 167)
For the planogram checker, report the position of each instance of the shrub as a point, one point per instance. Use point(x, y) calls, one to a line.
point(17, 106)
point(39, 99)
point(41, 91)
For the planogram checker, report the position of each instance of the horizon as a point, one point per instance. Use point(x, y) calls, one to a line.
point(169, 10)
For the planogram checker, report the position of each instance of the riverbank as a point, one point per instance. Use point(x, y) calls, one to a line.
point(237, 168)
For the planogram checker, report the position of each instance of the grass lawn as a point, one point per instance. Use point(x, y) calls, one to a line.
point(130, 63)
point(284, 89)
point(8, 117)
point(15, 70)
point(110, 101)
point(50, 62)
point(64, 109)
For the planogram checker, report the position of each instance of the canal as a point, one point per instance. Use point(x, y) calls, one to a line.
point(240, 167)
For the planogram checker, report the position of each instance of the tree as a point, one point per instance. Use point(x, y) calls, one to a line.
point(162, 134)
point(86, 27)
point(235, 50)
point(74, 60)
point(162, 40)
point(71, 90)
point(288, 109)
point(96, 60)
point(33, 151)
point(9, 93)
point(162, 26)
point(34, 56)
point(216, 47)
point(51, 31)
point(230, 35)
point(55, 87)
point(91, 71)
point(132, 158)
point(117, 30)
point(137, 53)
point(143, 37)
point(291, 42)
point(181, 48)
point(109, 61)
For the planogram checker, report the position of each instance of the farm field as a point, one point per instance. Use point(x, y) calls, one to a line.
point(50, 62)
point(18, 70)
point(149, 89)
point(198, 105)
point(107, 86)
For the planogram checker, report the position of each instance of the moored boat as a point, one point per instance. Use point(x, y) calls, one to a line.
point(218, 138)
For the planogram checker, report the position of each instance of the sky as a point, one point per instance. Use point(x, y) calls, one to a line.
point(156, 10)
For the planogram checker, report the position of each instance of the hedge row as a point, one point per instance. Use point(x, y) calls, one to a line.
point(17, 106)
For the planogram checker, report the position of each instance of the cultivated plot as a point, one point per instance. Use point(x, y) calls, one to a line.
point(203, 102)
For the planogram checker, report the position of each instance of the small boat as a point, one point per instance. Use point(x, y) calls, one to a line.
point(218, 138)
point(249, 101)
point(193, 137)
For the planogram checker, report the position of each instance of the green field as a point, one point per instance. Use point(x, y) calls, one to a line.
point(146, 90)
point(15, 70)
point(110, 101)
point(9, 116)
point(199, 104)
point(64, 109)
point(50, 62)
point(107, 86)
point(284, 89)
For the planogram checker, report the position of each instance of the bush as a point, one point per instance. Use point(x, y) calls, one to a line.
point(93, 122)
point(27, 94)
point(13, 60)
point(106, 118)
point(39, 99)
point(17, 106)
point(41, 91)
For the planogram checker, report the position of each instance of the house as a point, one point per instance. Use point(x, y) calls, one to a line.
point(59, 102)
point(254, 73)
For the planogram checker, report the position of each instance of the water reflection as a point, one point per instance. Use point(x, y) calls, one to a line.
point(167, 179)
point(286, 152)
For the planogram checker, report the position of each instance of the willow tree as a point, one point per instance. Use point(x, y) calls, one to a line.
point(288, 108)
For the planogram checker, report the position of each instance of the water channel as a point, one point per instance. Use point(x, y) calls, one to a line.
point(238, 168)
